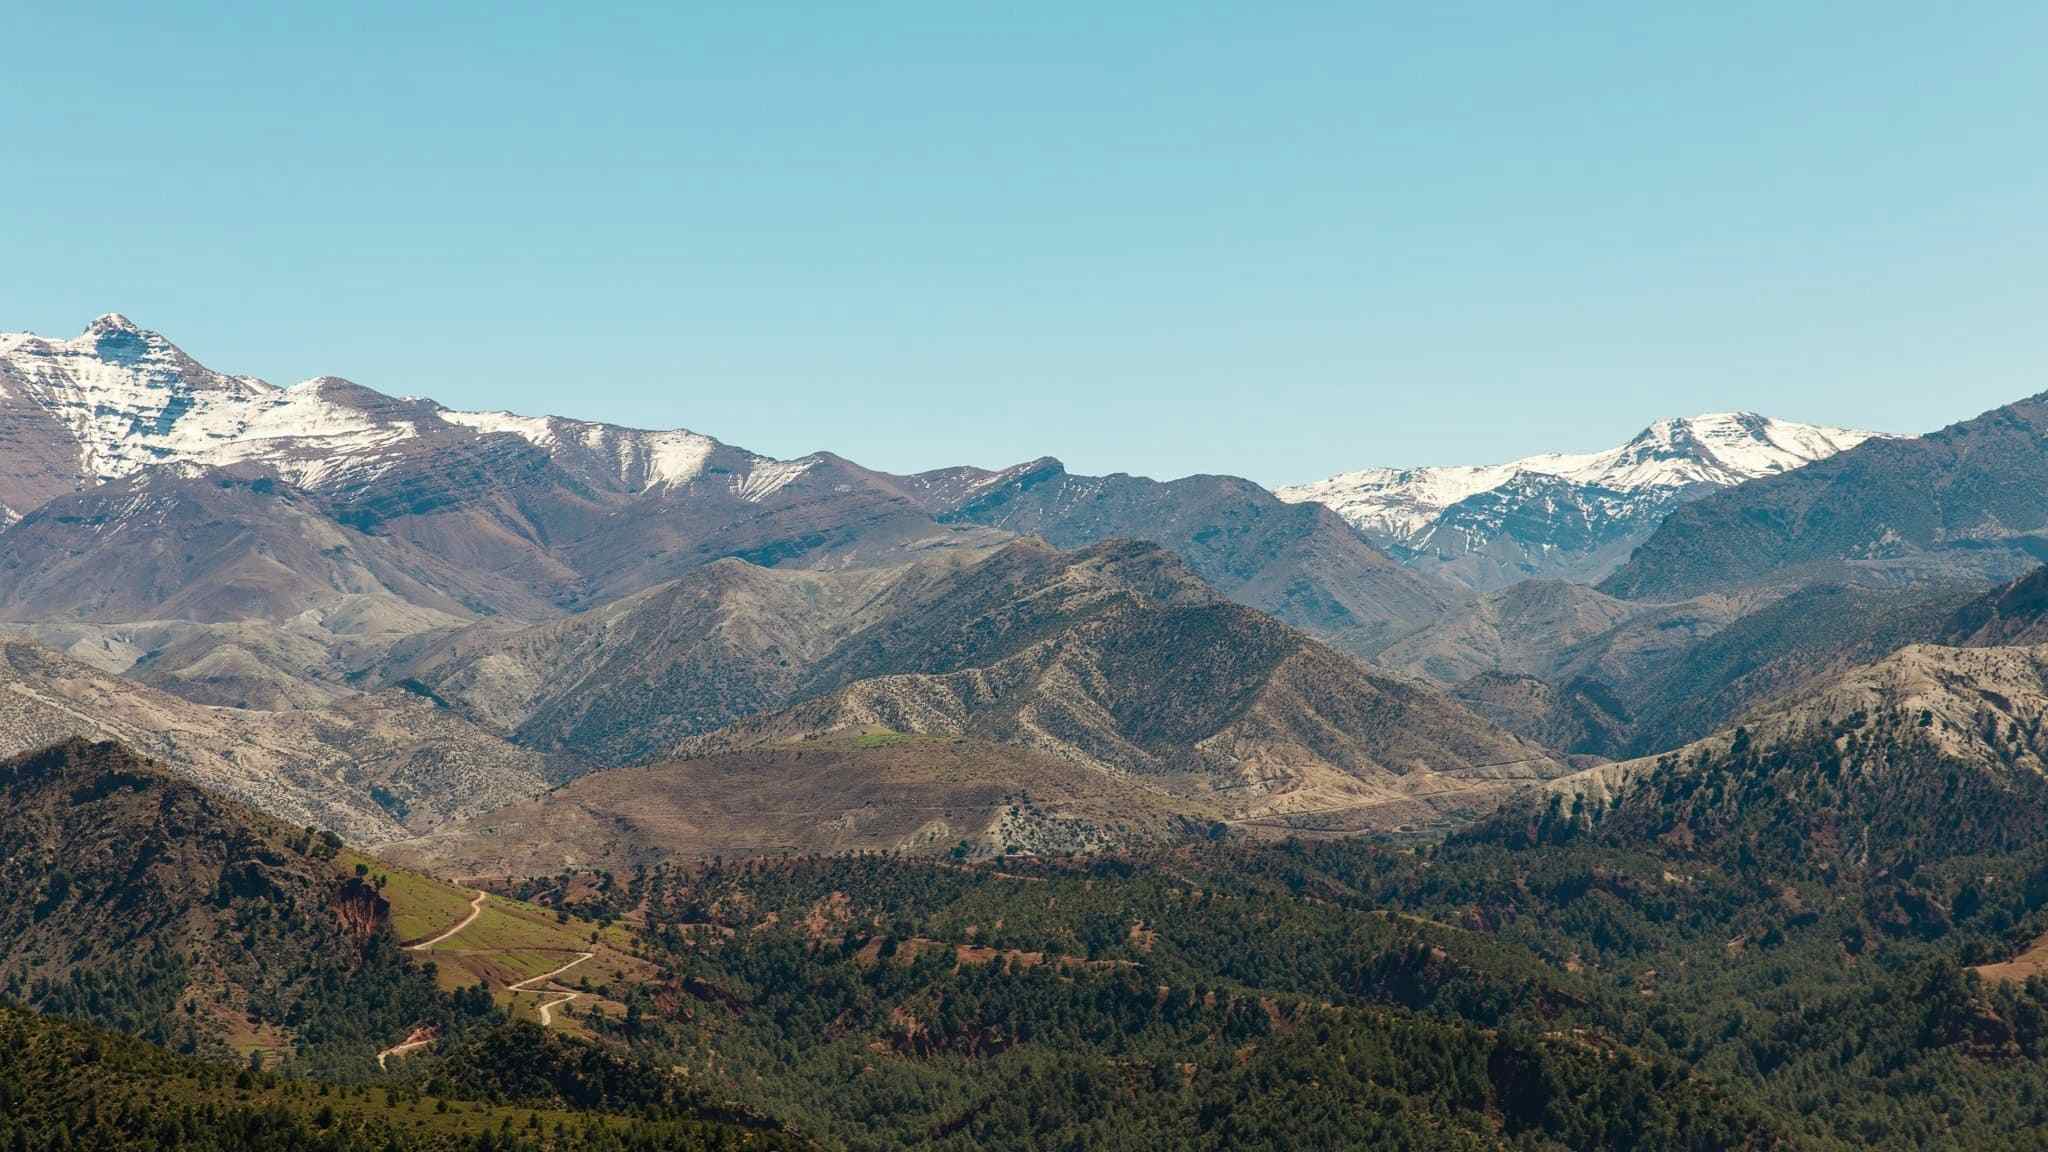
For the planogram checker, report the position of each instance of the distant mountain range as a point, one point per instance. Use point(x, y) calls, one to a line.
point(1038, 699)
point(212, 555)
point(1004, 808)
point(494, 514)
point(391, 617)
point(1563, 515)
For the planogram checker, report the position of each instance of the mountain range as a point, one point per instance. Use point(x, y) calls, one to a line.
point(555, 596)
point(551, 597)
point(392, 599)
point(535, 517)
point(1036, 699)
point(1683, 795)
point(1969, 500)
point(1564, 516)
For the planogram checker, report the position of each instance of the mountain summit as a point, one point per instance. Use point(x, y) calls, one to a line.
point(119, 398)
point(1573, 516)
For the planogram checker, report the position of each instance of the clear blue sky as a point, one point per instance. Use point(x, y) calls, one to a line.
point(1272, 240)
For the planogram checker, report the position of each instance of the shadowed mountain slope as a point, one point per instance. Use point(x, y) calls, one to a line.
point(1536, 658)
point(212, 545)
point(623, 683)
point(628, 682)
point(1037, 699)
point(2012, 614)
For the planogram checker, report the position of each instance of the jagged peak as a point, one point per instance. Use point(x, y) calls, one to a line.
point(112, 322)
point(1670, 455)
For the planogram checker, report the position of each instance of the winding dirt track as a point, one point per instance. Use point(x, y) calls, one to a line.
point(476, 908)
point(522, 985)
point(401, 1049)
point(546, 1008)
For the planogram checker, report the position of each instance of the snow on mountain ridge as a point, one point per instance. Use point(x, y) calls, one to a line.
point(131, 400)
point(652, 458)
point(1718, 449)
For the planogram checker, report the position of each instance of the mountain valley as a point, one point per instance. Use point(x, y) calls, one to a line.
point(566, 786)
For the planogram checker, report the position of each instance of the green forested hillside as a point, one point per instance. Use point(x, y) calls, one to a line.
point(1761, 944)
point(66, 1086)
point(1772, 947)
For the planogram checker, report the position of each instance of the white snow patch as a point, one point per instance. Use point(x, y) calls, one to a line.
point(768, 477)
point(536, 430)
point(676, 457)
point(637, 457)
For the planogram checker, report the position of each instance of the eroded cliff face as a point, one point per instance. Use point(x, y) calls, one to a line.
point(361, 910)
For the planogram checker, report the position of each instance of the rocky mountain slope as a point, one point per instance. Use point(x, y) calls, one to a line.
point(1932, 749)
point(1042, 699)
point(1561, 515)
point(625, 682)
point(1968, 500)
point(2011, 614)
point(1300, 564)
point(1116, 658)
point(213, 545)
point(369, 766)
point(1586, 673)
point(540, 515)
point(1533, 627)
point(558, 512)
point(123, 398)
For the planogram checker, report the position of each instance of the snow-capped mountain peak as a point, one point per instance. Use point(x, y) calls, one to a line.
point(1448, 514)
point(110, 322)
point(124, 398)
